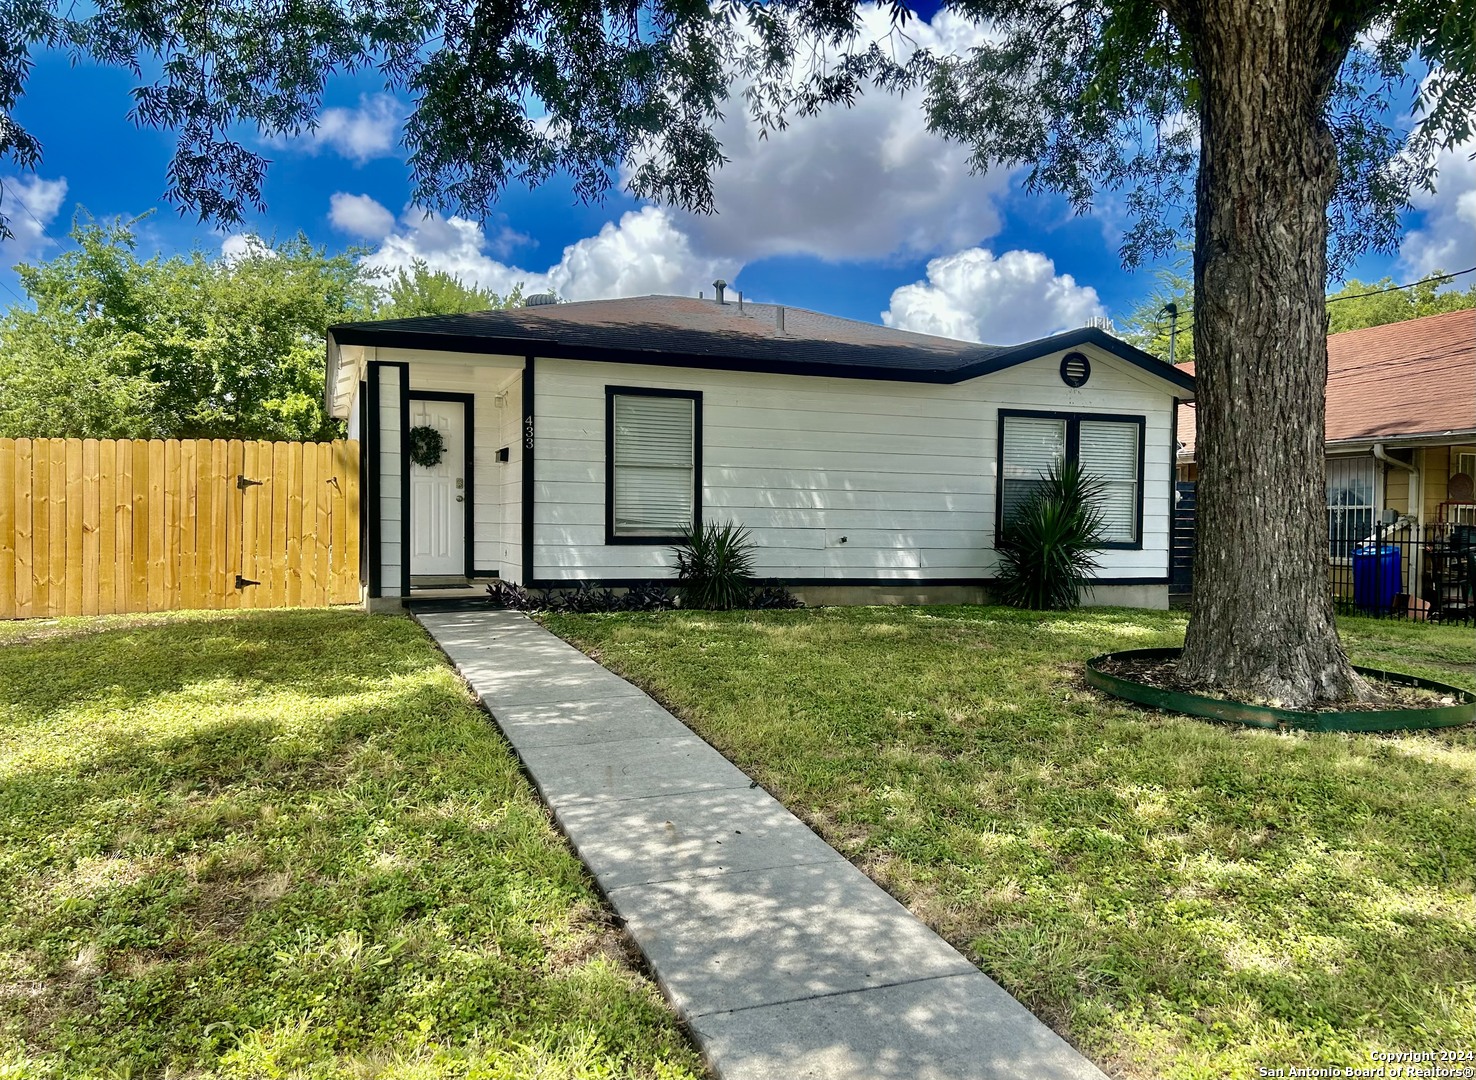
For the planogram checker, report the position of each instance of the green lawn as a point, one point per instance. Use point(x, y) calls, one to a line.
point(288, 845)
point(1179, 899)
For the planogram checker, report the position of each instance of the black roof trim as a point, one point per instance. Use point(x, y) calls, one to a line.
point(363, 334)
point(1087, 335)
point(367, 335)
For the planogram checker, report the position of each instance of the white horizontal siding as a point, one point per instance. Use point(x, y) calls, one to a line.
point(391, 555)
point(507, 540)
point(904, 472)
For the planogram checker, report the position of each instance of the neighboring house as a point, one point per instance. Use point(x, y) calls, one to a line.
point(1401, 434)
point(584, 439)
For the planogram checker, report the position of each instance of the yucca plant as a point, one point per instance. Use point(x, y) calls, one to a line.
point(1046, 553)
point(714, 566)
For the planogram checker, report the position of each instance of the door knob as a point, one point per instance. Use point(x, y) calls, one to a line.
point(461, 498)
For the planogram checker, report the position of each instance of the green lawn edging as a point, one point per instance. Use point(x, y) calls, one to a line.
point(1273, 718)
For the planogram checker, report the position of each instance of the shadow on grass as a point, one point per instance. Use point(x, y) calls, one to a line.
point(1182, 899)
point(333, 860)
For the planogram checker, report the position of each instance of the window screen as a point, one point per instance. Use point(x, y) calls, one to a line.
point(654, 458)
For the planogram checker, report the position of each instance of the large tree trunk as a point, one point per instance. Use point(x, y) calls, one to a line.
point(1261, 622)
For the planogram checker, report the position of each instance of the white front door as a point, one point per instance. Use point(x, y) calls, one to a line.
point(438, 494)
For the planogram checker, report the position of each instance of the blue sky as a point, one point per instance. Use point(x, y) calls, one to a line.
point(859, 213)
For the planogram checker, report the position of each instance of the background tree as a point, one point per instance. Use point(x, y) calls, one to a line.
point(423, 291)
point(1354, 306)
point(1357, 305)
point(1149, 327)
point(1274, 114)
point(185, 347)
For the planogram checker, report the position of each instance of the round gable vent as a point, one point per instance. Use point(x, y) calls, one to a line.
point(1076, 369)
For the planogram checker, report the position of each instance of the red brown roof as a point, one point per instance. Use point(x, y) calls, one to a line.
point(1402, 380)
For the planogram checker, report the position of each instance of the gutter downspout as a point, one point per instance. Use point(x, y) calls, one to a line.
point(1417, 504)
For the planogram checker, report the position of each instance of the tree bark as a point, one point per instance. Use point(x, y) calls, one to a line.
point(1261, 624)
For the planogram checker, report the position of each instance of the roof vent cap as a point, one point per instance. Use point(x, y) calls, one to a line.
point(719, 285)
point(538, 299)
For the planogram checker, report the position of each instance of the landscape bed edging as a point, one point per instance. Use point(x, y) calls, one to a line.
point(1267, 716)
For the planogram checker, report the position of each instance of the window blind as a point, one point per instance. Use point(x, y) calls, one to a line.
point(653, 448)
point(1108, 451)
point(1031, 446)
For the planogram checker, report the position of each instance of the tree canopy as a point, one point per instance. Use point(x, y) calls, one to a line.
point(1090, 97)
point(419, 290)
point(115, 346)
point(1354, 306)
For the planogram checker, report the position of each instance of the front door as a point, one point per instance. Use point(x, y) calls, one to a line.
point(438, 494)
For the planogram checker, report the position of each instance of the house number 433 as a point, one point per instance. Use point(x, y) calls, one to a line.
point(528, 433)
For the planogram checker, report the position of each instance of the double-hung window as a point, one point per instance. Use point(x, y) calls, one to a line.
point(1109, 448)
point(653, 463)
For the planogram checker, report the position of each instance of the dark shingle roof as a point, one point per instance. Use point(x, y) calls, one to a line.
point(703, 333)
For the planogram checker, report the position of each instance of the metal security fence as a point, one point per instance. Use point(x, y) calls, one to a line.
point(1425, 573)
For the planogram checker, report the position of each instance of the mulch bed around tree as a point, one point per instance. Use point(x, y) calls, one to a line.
point(1164, 674)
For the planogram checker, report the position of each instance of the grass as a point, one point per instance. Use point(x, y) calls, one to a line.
point(287, 844)
point(1179, 899)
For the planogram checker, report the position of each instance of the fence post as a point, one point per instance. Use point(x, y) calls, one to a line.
point(9, 487)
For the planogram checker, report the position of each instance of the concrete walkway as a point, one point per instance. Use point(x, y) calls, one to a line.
point(783, 958)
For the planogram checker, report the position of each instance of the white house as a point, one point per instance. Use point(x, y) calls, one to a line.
point(869, 464)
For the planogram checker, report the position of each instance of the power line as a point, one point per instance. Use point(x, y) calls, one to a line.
point(1355, 296)
point(12, 292)
point(1396, 288)
point(10, 190)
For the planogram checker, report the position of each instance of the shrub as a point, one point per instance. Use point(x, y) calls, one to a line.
point(584, 600)
point(772, 596)
point(714, 566)
point(647, 598)
point(504, 594)
point(1046, 553)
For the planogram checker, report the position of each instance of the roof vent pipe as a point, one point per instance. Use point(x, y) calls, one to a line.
point(718, 286)
point(779, 318)
point(740, 301)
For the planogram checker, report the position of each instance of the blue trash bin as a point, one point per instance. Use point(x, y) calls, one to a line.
point(1377, 577)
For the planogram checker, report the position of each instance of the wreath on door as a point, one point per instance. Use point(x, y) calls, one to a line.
point(426, 446)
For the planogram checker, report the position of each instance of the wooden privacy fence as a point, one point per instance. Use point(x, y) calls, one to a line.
point(99, 527)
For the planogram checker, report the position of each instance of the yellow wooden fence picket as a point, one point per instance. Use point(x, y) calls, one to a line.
point(100, 527)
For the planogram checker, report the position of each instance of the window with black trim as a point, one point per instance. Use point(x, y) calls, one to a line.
point(653, 463)
point(1110, 448)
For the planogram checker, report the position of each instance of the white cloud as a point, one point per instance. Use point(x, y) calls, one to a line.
point(974, 295)
point(642, 253)
point(361, 134)
point(1446, 238)
point(31, 204)
point(861, 183)
point(360, 215)
point(239, 246)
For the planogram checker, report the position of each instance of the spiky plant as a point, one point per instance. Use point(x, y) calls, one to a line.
point(1046, 553)
point(714, 566)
